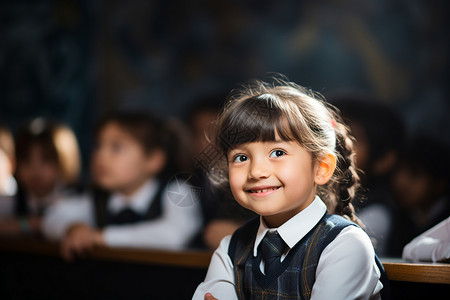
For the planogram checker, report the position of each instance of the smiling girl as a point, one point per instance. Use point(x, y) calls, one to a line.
point(290, 159)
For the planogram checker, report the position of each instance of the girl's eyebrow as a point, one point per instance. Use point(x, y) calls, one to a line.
point(234, 150)
point(278, 141)
point(239, 147)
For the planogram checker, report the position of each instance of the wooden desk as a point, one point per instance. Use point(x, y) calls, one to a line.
point(33, 269)
point(396, 269)
point(399, 270)
point(185, 258)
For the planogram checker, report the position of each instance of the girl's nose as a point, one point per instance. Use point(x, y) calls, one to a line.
point(258, 170)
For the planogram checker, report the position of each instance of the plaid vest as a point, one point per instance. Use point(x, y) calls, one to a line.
point(296, 275)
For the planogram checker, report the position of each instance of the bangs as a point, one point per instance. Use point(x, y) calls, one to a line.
point(257, 119)
point(43, 142)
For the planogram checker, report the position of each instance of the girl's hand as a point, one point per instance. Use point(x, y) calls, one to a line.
point(79, 239)
point(208, 296)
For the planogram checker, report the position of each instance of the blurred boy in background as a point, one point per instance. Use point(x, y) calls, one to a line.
point(379, 133)
point(421, 186)
point(133, 203)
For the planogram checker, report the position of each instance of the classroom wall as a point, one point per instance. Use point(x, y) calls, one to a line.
point(73, 60)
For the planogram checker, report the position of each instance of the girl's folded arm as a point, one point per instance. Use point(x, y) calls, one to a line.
point(219, 280)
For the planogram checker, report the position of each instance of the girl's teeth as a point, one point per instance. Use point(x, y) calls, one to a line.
point(264, 190)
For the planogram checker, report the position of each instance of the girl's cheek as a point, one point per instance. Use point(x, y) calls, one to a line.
point(232, 176)
point(236, 180)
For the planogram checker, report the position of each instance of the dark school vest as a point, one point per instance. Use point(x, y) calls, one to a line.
point(296, 275)
point(104, 218)
point(20, 204)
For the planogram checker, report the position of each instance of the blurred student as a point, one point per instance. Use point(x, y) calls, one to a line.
point(432, 245)
point(380, 133)
point(421, 185)
point(133, 204)
point(8, 184)
point(48, 165)
point(222, 215)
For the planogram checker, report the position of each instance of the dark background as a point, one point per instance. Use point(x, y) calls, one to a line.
point(74, 60)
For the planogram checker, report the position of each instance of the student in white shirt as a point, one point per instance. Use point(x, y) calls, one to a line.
point(134, 204)
point(287, 155)
point(432, 245)
point(47, 161)
point(8, 185)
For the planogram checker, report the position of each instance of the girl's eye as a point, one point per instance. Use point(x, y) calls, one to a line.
point(116, 147)
point(240, 158)
point(277, 153)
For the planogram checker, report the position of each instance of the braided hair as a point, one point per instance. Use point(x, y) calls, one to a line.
point(345, 185)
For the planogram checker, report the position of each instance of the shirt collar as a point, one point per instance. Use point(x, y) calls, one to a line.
point(138, 202)
point(293, 230)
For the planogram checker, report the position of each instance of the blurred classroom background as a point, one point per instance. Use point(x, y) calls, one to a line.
point(73, 61)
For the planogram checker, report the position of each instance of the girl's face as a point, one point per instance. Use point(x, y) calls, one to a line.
point(274, 179)
point(38, 173)
point(119, 162)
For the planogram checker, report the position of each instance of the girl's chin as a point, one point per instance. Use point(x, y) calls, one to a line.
point(105, 184)
point(264, 211)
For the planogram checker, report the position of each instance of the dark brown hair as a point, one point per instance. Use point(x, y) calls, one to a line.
point(58, 142)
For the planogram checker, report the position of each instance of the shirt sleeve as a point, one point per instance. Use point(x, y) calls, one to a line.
point(64, 213)
point(173, 230)
point(219, 280)
point(432, 245)
point(347, 268)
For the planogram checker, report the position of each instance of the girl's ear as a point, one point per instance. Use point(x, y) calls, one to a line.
point(155, 162)
point(325, 169)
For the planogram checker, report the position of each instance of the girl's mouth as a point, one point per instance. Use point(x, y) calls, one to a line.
point(262, 190)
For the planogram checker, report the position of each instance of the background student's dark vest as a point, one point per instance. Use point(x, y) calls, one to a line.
point(20, 204)
point(127, 216)
point(21, 208)
point(295, 276)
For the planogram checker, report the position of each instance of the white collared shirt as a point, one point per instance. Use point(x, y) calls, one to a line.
point(173, 230)
point(139, 202)
point(7, 197)
point(346, 269)
point(34, 204)
point(37, 204)
point(9, 187)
